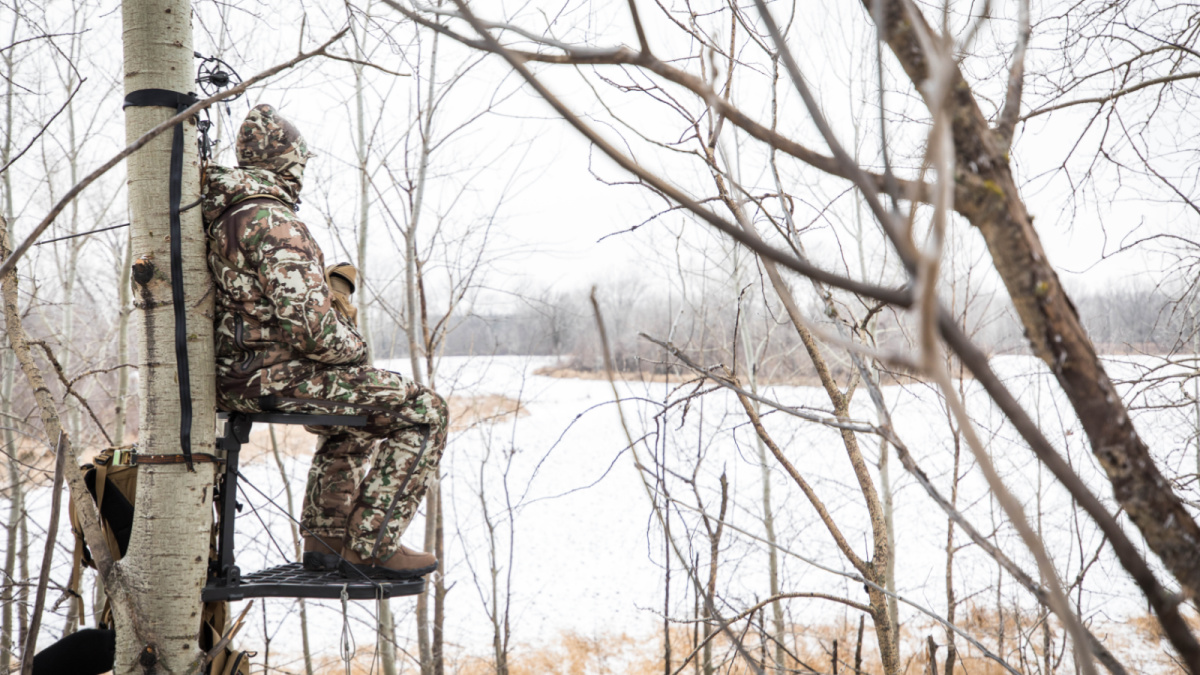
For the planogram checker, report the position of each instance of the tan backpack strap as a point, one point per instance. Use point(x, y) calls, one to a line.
point(101, 481)
point(73, 582)
point(76, 559)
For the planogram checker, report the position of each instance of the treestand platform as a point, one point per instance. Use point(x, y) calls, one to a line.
point(293, 581)
point(225, 580)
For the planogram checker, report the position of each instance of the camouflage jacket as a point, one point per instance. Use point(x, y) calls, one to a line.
point(273, 305)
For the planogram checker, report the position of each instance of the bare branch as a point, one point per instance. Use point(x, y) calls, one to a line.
point(1016, 79)
point(847, 425)
point(39, 603)
point(368, 64)
point(900, 297)
point(1166, 79)
point(621, 55)
point(774, 598)
point(637, 24)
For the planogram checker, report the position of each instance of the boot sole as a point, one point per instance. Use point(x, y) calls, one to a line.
point(315, 561)
point(374, 571)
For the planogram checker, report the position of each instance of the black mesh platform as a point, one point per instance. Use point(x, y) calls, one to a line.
point(293, 581)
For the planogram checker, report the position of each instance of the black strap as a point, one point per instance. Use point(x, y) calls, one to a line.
point(166, 98)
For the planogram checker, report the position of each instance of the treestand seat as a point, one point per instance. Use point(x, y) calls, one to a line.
point(291, 580)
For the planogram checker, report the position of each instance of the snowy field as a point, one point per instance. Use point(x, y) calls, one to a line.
point(578, 548)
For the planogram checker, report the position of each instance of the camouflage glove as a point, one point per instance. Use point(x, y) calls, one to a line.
point(341, 278)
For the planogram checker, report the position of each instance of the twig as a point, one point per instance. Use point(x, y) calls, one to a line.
point(82, 234)
point(1016, 78)
point(62, 377)
point(861, 427)
point(859, 564)
point(637, 25)
point(357, 62)
point(45, 126)
point(774, 598)
point(1115, 95)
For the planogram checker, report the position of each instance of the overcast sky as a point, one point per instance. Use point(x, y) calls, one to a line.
point(510, 164)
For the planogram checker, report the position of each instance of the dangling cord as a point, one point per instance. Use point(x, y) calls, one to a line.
point(348, 647)
point(389, 641)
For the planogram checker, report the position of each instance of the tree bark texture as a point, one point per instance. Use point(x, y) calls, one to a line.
point(123, 279)
point(168, 550)
point(988, 197)
point(15, 507)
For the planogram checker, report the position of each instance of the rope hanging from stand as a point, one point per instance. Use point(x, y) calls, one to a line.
point(166, 98)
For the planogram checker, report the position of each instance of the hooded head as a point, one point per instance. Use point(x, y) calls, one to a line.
point(271, 157)
point(270, 142)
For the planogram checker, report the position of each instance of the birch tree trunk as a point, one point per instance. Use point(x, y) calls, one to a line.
point(9, 371)
point(167, 555)
point(18, 522)
point(415, 330)
point(364, 207)
point(123, 279)
point(15, 507)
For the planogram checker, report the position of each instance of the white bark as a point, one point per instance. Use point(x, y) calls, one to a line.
point(15, 507)
point(10, 366)
point(167, 556)
point(123, 280)
point(416, 332)
point(364, 212)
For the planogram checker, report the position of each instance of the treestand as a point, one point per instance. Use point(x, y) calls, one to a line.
point(291, 580)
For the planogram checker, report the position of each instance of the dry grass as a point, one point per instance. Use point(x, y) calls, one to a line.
point(470, 411)
point(571, 653)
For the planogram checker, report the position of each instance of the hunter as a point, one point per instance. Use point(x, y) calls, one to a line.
point(287, 341)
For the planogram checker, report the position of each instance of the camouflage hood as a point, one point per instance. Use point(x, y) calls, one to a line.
point(271, 157)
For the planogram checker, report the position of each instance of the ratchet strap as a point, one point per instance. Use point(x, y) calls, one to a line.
point(165, 98)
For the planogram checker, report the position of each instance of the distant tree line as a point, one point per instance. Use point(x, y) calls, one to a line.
point(1120, 319)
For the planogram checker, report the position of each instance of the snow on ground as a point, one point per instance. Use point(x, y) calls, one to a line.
point(578, 550)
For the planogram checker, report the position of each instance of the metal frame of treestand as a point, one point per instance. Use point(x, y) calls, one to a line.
point(225, 580)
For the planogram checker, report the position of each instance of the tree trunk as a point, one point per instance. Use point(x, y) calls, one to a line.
point(167, 556)
point(10, 445)
point(415, 330)
point(15, 507)
point(364, 210)
point(439, 585)
point(126, 261)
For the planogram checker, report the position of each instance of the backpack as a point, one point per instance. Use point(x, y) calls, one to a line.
point(114, 482)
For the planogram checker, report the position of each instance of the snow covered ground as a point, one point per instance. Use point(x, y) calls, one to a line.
point(578, 548)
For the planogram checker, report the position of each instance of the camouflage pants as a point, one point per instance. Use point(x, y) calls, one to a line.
point(401, 414)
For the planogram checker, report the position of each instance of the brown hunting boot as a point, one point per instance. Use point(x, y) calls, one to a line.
point(322, 553)
point(404, 564)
